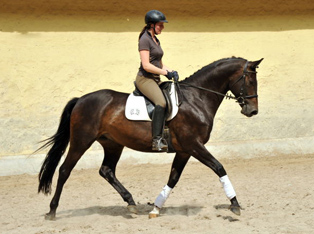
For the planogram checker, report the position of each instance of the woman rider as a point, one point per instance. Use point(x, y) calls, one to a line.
point(148, 76)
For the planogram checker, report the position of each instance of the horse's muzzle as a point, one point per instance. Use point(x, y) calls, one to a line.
point(249, 110)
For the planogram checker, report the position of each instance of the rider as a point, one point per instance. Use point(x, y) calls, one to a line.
point(148, 76)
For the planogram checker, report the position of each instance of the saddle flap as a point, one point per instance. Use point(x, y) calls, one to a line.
point(135, 108)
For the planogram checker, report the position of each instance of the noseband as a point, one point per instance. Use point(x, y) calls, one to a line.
point(242, 97)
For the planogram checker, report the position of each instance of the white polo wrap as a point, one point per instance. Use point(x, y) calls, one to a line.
point(227, 186)
point(162, 197)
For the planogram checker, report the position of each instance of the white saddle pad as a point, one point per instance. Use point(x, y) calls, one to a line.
point(135, 108)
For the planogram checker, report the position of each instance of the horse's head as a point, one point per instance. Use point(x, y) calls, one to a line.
point(244, 87)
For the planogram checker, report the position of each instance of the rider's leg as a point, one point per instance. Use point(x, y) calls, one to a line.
point(158, 121)
point(151, 90)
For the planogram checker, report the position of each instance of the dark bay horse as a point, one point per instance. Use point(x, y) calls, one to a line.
point(99, 116)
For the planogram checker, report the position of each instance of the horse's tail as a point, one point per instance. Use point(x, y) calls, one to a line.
point(59, 142)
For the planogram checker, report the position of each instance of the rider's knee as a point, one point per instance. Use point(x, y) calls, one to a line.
point(161, 103)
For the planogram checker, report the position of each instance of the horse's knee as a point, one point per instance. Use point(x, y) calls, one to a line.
point(220, 170)
point(106, 173)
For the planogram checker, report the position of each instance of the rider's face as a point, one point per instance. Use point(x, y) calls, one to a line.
point(159, 27)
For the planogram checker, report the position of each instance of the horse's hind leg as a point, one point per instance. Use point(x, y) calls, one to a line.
point(108, 171)
point(69, 163)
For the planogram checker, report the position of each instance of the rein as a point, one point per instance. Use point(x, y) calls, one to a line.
point(209, 90)
point(241, 99)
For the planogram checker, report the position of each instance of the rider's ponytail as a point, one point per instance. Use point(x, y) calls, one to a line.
point(143, 31)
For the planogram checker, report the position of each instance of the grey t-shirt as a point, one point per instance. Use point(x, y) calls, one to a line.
point(155, 54)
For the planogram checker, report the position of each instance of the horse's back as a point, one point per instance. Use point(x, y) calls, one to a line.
point(104, 94)
point(93, 105)
point(103, 97)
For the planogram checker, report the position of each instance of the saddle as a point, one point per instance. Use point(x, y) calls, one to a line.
point(138, 107)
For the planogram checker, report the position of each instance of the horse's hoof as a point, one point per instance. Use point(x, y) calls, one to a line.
point(151, 215)
point(132, 209)
point(154, 213)
point(49, 216)
point(235, 209)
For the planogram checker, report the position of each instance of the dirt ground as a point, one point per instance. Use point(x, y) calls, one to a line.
point(276, 195)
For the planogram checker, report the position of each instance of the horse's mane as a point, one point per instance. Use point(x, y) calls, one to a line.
point(210, 67)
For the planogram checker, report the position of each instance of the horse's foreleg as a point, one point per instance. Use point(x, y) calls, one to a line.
point(107, 171)
point(231, 194)
point(178, 165)
point(209, 160)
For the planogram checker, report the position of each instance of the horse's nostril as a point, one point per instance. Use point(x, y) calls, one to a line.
point(254, 112)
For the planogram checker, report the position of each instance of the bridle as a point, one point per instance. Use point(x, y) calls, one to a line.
point(243, 93)
point(242, 97)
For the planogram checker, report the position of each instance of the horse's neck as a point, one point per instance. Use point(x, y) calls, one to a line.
point(211, 100)
point(212, 83)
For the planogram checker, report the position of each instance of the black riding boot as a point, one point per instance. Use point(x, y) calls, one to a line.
point(159, 144)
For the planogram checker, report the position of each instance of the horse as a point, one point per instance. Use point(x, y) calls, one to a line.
point(99, 116)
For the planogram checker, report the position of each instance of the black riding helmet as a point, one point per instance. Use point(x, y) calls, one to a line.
point(154, 16)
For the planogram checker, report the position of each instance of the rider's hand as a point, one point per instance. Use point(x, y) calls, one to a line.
point(172, 75)
point(176, 77)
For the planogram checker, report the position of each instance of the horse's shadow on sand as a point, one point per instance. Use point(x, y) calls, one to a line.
point(143, 210)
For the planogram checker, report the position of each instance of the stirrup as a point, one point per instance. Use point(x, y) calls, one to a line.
point(159, 144)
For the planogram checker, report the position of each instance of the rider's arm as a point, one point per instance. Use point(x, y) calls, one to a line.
point(144, 54)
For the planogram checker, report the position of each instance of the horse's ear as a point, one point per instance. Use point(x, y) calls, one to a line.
point(255, 64)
